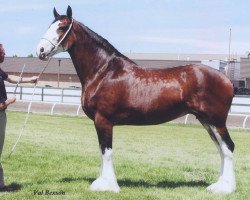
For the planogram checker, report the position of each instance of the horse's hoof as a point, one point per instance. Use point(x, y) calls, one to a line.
point(222, 187)
point(102, 184)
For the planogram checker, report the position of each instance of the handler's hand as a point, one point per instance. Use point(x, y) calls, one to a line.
point(12, 98)
point(34, 79)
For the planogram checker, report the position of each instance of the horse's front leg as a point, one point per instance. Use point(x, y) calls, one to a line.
point(107, 180)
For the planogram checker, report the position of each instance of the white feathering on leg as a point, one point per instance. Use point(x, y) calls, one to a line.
point(107, 180)
point(226, 183)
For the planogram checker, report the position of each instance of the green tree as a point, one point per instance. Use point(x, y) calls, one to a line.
point(30, 55)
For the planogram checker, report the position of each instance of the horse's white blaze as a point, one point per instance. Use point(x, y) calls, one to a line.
point(50, 40)
point(107, 180)
point(226, 182)
point(51, 34)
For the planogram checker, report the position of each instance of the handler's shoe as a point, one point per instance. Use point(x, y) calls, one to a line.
point(2, 187)
point(7, 189)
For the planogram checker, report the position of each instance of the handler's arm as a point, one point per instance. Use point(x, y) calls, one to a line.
point(15, 79)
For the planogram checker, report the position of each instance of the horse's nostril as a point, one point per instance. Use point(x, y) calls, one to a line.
point(41, 56)
point(41, 49)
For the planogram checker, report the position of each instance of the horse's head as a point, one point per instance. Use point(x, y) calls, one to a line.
point(54, 40)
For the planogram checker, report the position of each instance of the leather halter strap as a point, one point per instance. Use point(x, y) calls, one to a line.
point(55, 46)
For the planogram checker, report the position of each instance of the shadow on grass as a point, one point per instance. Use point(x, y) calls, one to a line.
point(162, 184)
point(130, 183)
point(68, 180)
point(13, 187)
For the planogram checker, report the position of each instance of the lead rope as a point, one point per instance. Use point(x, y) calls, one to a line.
point(19, 80)
point(29, 107)
point(28, 112)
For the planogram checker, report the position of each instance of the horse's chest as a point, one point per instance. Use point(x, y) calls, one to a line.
point(89, 103)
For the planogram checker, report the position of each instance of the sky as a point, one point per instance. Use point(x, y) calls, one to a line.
point(137, 26)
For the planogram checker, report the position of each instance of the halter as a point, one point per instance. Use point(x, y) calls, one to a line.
point(55, 46)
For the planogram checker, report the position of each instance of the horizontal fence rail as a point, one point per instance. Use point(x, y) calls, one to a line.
point(241, 104)
point(47, 94)
point(51, 108)
point(233, 120)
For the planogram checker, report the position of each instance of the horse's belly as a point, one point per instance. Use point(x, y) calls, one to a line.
point(150, 117)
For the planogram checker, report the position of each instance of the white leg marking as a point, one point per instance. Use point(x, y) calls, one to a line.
point(226, 183)
point(107, 180)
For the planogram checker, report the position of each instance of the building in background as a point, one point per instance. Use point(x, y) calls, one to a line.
point(60, 71)
point(233, 72)
point(245, 71)
point(216, 64)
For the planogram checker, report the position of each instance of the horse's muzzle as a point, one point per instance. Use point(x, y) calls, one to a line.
point(43, 56)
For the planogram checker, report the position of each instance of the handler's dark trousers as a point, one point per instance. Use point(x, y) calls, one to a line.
point(3, 121)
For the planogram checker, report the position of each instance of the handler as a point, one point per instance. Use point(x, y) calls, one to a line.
point(4, 102)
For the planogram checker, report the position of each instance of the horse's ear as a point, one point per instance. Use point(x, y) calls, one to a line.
point(56, 15)
point(69, 12)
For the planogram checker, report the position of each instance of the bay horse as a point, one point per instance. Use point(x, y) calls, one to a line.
point(116, 91)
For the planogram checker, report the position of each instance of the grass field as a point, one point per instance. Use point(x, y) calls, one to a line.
point(60, 153)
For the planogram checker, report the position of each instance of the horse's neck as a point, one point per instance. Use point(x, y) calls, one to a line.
point(90, 56)
point(88, 59)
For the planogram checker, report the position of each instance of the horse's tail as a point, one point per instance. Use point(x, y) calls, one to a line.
point(235, 89)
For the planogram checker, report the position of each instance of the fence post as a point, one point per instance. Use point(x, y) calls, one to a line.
point(21, 92)
point(244, 122)
point(52, 109)
point(62, 92)
point(186, 119)
point(78, 110)
point(42, 93)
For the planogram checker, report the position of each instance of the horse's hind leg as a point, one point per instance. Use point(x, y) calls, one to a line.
point(226, 182)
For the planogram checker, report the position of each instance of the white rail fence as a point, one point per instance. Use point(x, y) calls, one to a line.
point(66, 101)
point(234, 120)
point(241, 104)
point(51, 108)
point(47, 94)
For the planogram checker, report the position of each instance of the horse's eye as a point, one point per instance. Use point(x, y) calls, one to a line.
point(61, 28)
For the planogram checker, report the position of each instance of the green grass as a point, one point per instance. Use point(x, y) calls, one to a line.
point(167, 161)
